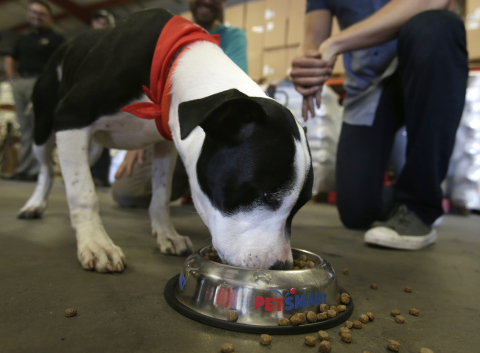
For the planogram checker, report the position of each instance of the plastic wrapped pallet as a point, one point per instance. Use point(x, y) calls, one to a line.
point(463, 182)
point(323, 131)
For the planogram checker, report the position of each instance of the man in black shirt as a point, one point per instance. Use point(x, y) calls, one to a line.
point(22, 67)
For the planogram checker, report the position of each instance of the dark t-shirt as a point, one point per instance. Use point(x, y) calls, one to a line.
point(32, 50)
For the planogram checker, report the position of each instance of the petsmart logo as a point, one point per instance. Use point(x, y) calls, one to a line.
point(291, 301)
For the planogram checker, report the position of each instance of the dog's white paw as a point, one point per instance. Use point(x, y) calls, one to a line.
point(98, 252)
point(174, 244)
point(32, 210)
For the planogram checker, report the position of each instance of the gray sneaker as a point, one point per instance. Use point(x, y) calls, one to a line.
point(403, 230)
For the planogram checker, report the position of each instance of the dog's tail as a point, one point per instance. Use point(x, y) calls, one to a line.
point(45, 96)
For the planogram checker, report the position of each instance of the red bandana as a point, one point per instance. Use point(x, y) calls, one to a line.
point(177, 34)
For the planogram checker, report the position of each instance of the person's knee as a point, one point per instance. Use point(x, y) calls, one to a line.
point(357, 216)
point(431, 30)
point(355, 221)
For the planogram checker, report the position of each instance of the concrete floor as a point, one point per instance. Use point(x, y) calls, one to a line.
point(40, 277)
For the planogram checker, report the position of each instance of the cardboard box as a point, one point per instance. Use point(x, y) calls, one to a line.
point(276, 23)
point(187, 15)
point(255, 32)
point(275, 64)
point(235, 16)
point(296, 21)
point(472, 26)
point(292, 53)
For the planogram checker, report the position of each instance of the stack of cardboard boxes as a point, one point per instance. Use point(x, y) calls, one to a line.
point(472, 25)
point(274, 30)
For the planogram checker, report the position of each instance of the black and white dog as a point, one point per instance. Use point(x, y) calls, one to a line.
point(247, 158)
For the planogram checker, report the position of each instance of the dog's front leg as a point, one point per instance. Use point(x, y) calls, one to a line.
point(95, 249)
point(163, 164)
point(37, 203)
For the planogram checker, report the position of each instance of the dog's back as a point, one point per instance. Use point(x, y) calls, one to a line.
point(96, 74)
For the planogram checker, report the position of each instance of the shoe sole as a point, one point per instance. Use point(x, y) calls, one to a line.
point(389, 238)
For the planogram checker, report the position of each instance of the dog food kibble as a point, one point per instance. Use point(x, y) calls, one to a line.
point(393, 345)
point(363, 319)
point(408, 289)
point(296, 268)
point(323, 308)
point(333, 307)
point(265, 339)
point(325, 347)
point(395, 313)
point(303, 317)
point(346, 271)
point(310, 341)
point(298, 319)
point(414, 312)
point(310, 264)
point(212, 255)
point(295, 320)
point(232, 315)
point(374, 286)
point(331, 313)
point(341, 308)
point(323, 336)
point(349, 324)
point(347, 337)
point(311, 316)
point(227, 348)
point(301, 263)
point(302, 257)
point(357, 324)
point(425, 350)
point(399, 319)
point(370, 316)
point(322, 316)
point(345, 298)
point(345, 330)
point(70, 312)
point(283, 322)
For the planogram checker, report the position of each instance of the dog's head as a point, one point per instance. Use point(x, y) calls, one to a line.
point(249, 175)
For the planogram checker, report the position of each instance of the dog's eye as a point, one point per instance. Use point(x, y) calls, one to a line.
point(271, 199)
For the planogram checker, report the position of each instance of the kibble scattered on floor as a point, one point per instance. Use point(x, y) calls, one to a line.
point(232, 316)
point(265, 339)
point(414, 312)
point(395, 312)
point(227, 348)
point(310, 341)
point(393, 345)
point(70, 312)
point(325, 347)
point(399, 319)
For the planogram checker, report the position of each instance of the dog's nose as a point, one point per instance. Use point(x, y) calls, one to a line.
point(282, 265)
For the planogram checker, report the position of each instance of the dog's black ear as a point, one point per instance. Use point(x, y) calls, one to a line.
point(219, 114)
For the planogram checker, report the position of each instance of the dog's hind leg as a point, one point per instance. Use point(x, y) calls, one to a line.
point(163, 164)
point(37, 203)
point(94, 153)
point(95, 250)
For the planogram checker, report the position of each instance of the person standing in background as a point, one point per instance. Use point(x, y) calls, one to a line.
point(135, 188)
point(22, 68)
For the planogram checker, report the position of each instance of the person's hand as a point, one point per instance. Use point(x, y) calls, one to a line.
point(129, 161)
point(328, 52)
point(309, 73)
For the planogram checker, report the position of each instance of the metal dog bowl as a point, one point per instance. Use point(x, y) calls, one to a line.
point(205, 291)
